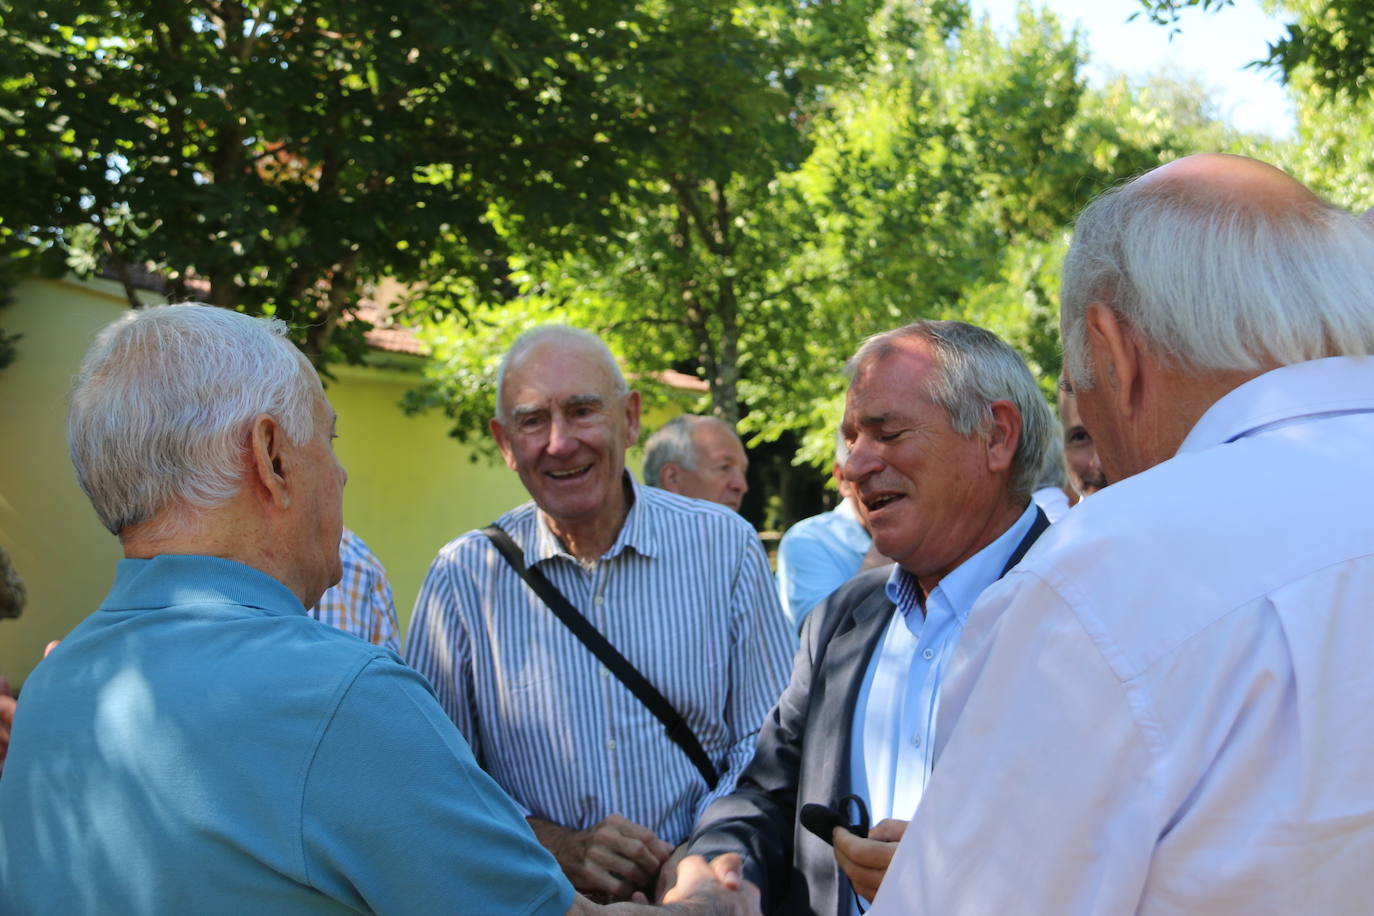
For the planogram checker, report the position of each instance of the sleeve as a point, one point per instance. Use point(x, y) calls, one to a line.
point(391, 776)
point(757, 819)
point(437, 645)
point(758, 666)
point(808, 572)
point(1043, 798)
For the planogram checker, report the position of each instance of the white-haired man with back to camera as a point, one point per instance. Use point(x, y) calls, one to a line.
point(1165, 708)
point(199, 744)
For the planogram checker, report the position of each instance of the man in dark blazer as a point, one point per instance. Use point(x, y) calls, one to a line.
point(946, 431)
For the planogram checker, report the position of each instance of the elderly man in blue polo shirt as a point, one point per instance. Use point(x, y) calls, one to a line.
point(199, 744)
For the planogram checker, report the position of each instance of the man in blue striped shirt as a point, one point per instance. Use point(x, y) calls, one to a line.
point(679, 586)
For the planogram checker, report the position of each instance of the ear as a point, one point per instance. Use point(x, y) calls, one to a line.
point(498, 433)
point(631, 418)
point(668, 477)
point(1004, 435)
point(1116, 359)
point(269, 461)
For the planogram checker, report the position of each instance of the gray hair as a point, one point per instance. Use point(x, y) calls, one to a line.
point(163, 403)
point(975, 368)
point(672, 444)
point(1052, 472)
point(1220, 284)
point(557, 333)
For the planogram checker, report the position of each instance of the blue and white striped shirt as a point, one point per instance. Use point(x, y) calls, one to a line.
point(686, 596)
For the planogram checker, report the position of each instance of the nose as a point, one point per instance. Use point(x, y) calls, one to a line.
point(738, 483)
point(863, 460)
point(561, 440)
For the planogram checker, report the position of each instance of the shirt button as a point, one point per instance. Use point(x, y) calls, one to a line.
point(915, 740)
point(600, 601)
point(610, 744)
point(928, 654)
point(605, 673)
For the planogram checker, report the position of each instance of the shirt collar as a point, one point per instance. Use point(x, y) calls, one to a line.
point(1333, 385)
point(637, 532)
point(968, 580)
point(179, 579)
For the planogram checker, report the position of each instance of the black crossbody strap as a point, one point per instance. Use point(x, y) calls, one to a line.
point(609, 656)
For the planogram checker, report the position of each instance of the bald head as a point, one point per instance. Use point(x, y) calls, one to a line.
point(1221, 179)
point(1221, 263)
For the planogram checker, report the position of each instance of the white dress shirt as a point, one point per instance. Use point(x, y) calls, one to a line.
point(1166, 708)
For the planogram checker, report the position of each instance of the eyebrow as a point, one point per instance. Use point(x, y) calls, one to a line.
point(584, 400)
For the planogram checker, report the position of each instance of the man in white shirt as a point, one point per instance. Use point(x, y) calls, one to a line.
point(1165, 707)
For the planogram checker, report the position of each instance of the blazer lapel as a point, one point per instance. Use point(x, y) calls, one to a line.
point(846, 659)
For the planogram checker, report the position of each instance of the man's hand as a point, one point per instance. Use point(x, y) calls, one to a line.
point(865, 861)
point(667, 875)
point(6, 719)
point(715, 888)
point(610, 861)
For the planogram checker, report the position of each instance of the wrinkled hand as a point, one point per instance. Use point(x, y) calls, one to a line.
point(6, 719)
point(719, 887)
point(610, 861)
point(865, 861)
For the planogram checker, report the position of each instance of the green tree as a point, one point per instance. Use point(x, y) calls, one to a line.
point(286, 156)
point(1332, 41)
point(938, 180)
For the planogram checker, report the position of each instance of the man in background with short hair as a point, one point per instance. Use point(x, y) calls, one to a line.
point(700, 457)
point(819, 554)
point(1080, 455)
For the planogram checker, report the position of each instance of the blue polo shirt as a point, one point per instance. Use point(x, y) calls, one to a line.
point(200, 745)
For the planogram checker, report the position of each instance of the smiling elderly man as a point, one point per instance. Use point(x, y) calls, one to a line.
point(947, 432)
point(199, 744)
point(679, 587)
point(1165, 708)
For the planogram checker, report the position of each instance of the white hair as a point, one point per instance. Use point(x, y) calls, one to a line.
point(557, 333)
point(976, 367)
point(673, 444)
point(1220, 284)
point(163, 403)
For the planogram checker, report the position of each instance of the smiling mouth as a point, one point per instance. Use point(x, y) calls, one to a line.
point(879, 502)
point(568, 472)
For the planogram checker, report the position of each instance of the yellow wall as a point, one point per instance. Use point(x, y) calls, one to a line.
point(411, 487)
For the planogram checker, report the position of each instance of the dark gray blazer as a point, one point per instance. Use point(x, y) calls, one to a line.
point(802, 754)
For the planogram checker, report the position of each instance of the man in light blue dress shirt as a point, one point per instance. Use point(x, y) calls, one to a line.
point(947, 432)
point(819, 554)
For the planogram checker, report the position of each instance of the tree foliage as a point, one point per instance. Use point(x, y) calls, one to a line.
point(286, 155)
point(938, 181)
point(1332, 41)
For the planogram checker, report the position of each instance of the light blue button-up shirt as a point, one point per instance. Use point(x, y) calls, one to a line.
point(894, 720)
